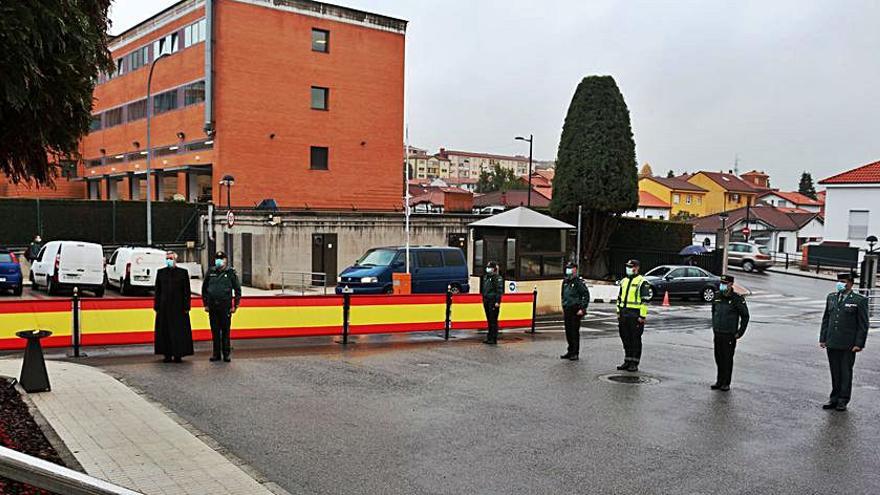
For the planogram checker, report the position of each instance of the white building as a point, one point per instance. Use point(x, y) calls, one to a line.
point(852, 205)
point(783, 230)
point(650, 207)
point(784, 199)
point(467, 164)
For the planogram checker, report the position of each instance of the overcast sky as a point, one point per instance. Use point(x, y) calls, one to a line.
point(787, 86)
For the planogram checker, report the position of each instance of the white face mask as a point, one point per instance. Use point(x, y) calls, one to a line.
point(630, 271)
point(569, 271)
point(490, 271)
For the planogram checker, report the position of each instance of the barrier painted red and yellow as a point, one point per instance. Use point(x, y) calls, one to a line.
point(131, 320)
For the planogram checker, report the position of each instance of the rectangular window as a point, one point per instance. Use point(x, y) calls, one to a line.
point(689, 199)
point(94, 163)
point(429, 259)
point(195, 33)
point(137, 110)
point(858, 224)
point(165, 102)
point(699, 200)
point(320, 40)
point(453, 258)
point(320, 158)
point(113, 117)
point(95, 124)
point(676, 199)
point(320, 98)
point(187, 36)
point(194, 93)
point(120, 66)
point(201, 145)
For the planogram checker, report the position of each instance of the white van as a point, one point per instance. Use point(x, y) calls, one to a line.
point(132, 268)
point(68, 264)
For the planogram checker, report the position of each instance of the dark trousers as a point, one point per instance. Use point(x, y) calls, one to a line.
point(492, 320)
point(631, 336)
point(841, 362)
point(572, 329)
point(725, 346)
point(221, 322)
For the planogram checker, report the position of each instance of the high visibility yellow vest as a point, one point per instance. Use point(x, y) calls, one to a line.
point(630, 296)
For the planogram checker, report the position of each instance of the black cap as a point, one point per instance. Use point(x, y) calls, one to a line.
point(633, 263)
point(727, 279)
point(220, 255)
point(845, 276)
point(571, 264)
point(492, 264)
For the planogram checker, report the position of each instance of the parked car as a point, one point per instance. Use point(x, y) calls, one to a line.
point(131, 268)
point(749, 256)
point(68, 264)
point(10, 272)
point(682, 281)
point(433, 269)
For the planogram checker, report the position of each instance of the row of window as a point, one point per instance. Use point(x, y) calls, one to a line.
point(142, 155)
point(689, 199)
point(170, 43)
point(192, 94)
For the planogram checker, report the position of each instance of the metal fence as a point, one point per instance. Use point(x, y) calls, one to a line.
point(794, 260)
point(305, 283)
point(873, 296)
point(52, 477)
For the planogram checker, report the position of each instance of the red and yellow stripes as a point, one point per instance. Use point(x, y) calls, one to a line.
point(131, 320)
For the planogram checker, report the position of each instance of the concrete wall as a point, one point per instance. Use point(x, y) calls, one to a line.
point(840, 200)
point(287, 246)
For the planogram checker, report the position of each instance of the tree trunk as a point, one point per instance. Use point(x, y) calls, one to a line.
point(596, 231)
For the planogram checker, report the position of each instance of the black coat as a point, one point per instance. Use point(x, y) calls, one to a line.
point(172, 305)
point(845, 322)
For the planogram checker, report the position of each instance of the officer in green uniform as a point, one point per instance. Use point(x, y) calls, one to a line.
point(631, 314)
point(843, 335)
point(730, 317)
point(221, 295)
point(575, 301)
point(492, 290)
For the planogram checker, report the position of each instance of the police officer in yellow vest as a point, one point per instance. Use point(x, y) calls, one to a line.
point(844, 332)
point(631, 314)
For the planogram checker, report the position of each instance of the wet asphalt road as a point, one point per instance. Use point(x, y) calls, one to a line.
point(413, 414)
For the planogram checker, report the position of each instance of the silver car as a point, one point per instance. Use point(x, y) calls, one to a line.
point(751, 257)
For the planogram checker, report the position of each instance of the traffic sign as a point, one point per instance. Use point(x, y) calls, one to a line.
point(230, 218)
point(746, 231)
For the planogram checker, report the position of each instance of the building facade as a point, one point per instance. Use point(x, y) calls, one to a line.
point(651, 207)
point(725, 191)
point(682, 196)
point(852, 205)
point(790, 199)
point(296, 100)
point(469, 165)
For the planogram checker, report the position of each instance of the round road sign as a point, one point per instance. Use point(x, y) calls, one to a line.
point(230, 218)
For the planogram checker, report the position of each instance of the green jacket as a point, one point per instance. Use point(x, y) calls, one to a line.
point(220, 286)
point(575, 293)
point(730, 315)
point(493, 288)
point(845, 323)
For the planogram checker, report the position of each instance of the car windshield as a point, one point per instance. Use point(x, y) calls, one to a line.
point(377, 257)
point(658, 272)
point(763, 250)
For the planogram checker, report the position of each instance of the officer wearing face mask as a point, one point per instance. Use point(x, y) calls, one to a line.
point(730, 317)
point(221, 295)
point(631, 314)
point(492, 290)
point(575, 301)
point(843, 334)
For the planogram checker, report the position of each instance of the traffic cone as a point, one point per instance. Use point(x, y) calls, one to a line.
point(666, 298)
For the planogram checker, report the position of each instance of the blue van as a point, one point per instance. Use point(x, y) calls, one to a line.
point(433, 269)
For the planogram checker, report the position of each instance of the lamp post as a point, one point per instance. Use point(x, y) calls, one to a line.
point(722, 244)
point(228, 181)
point(529, 139)
point(150, 150)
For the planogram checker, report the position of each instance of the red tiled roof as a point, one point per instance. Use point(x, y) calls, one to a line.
point(676, 183)
point(785, 219)
point(729, 182)
point(648, 200)
point(866, 174)
point(755, 173)
point(793, 197)
point(513, 197)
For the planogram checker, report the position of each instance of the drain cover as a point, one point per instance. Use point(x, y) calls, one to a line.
point(630, 379)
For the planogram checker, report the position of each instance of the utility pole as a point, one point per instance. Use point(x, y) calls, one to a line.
point(150, 150)
point(529, 139)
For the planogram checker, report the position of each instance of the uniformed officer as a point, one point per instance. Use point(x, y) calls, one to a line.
point(575, 301)
point(730, 317)
point(843, 334)
point(492, 290)
point(631, 315)
point(221, 295)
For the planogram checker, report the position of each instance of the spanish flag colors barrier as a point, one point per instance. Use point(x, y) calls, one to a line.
point(131, 320)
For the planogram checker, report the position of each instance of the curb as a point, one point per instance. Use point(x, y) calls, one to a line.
point(803, 275)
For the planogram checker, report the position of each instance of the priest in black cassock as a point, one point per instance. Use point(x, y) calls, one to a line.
point(173, 337)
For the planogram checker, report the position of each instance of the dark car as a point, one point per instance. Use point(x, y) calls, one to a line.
point(10, 272)
point(682, 281)
point(433, 269)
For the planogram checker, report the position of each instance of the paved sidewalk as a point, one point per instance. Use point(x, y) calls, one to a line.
point(118, 436)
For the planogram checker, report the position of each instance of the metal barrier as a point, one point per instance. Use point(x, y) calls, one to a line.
point(57, 479)
point(873, 296)
point(305, 283)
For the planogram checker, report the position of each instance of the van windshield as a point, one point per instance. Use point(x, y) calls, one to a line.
point(377, 257)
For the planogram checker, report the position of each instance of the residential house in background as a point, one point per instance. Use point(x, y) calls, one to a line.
point(725, 191)
point(542, 182)
point(513, 198)
point(468, 164)
point(790, 200)
point(651, 207)
point(681, 195)
point(442, 200)
point(758, 180)
point(852, 205)
point(782, 230)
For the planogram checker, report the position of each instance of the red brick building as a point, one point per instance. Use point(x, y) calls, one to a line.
point(305, 101)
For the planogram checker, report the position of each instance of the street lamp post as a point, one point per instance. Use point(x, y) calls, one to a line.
point(228, 181)
point(529, 139)
point(150, 150)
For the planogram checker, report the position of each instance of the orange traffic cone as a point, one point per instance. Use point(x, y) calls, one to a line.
point(666, 298)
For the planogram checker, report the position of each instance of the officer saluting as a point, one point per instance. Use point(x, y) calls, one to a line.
point(730, 317)
point(221, 295)
point(843, 334)
point(631, 314)
point(493, 289)
point(575, 300)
